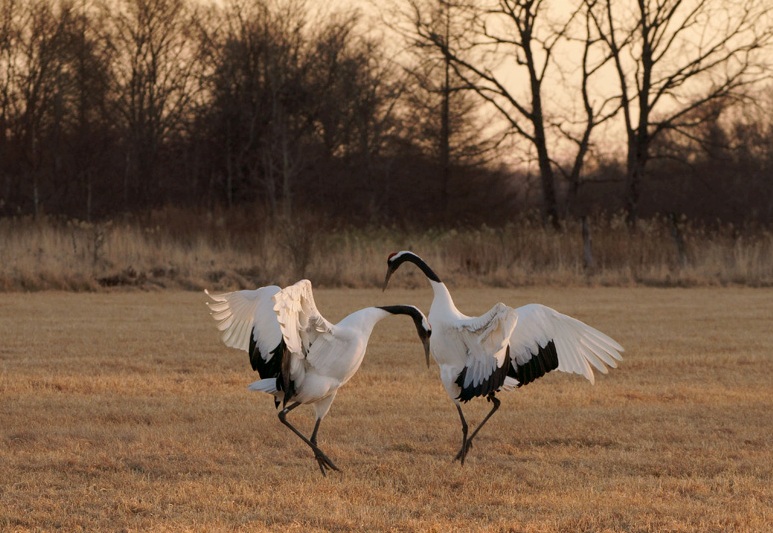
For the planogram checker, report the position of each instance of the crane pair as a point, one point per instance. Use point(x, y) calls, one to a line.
point(304, 359)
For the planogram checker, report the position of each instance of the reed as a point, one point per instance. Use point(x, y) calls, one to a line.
point(183, 249)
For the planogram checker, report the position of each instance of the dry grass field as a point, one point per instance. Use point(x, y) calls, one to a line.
point(177, 249)
point(123, 411)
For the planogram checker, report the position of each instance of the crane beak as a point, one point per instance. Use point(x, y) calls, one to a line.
point(425, 342)
point(390, 270)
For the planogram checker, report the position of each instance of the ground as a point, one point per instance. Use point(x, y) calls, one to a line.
point(123, 411)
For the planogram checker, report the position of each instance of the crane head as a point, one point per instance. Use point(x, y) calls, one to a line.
point(396, 259)
point(419, 320)
point(391, 267)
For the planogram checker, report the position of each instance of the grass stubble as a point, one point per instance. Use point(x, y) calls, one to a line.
point(176, 249)
point(123, 411)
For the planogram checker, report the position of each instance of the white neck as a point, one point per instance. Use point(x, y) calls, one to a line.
point(442, 304)
point(364, 320)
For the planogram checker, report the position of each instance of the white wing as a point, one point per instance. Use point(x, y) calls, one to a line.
point(245, 315)
point(332, 351)
point(299, 319)
point(576, 346)
point(486, 340)
point(300, 323)
point(237, 313)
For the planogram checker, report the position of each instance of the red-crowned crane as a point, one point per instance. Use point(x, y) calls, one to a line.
point(301, 357)
point(505, 347)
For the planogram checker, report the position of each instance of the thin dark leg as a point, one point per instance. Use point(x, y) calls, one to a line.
point(496, 402)
point(314, 433)
point(322, 459)
point(468, 441)
point(465, 445)
point(313, 440)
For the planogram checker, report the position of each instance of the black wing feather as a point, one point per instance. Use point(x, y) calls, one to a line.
point(266, 367)
point(488, 385)
point(273, 367)
point(542, 362)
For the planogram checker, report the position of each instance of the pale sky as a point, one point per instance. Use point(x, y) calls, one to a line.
point(554, 89)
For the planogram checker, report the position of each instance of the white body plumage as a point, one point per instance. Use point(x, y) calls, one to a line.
point(300, 356)
point(505, 347)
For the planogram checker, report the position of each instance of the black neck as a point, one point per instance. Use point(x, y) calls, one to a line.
point(413, 312)
point(403, 310)
point(419, 262)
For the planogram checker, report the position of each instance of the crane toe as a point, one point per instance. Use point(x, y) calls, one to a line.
point(463, 451)
point(325, 463)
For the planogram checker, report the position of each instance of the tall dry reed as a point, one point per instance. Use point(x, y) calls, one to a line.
point(183, 249)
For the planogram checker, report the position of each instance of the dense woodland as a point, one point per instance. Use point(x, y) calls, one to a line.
point(112, 107)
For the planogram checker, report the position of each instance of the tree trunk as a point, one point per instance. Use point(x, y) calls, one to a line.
point(287, 199)
point(445, 131)
point(676, 234)
point(445, 149)
point(637, 162)
point(549, 201)
point(632, 181)
point(587, 245)
point(126, 174)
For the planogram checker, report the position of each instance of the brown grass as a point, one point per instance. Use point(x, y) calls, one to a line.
point(181, 249)
point(123, 412)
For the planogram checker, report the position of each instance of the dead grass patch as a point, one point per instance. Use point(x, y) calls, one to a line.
point(188, 250)
point(123, 411)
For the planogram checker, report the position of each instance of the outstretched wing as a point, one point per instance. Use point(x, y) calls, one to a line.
point(485, 339)
point(248, 322)
point(299, 319)
point(546, 340)
point(302, 327)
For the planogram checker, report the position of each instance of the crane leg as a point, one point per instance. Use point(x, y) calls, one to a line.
point(322, 460)
point(467, 442)
point(313, 438)
point(465, 445)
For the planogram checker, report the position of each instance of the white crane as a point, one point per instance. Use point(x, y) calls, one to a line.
point(301, 357)
point(505, 347)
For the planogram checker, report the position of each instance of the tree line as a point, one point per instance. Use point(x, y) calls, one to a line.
point(459, 112)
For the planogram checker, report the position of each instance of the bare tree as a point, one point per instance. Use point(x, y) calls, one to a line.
point(259, 101)
point(297, 103)
point(440, 19)
point(36, 40)
point(53, 90)
point(672, 57)
point(445, 117)
point(353, 88)
point(356, 93)
point(7, 108)
point(89, 136)
point(511, 40)
point(595, 110)
point(154, 67)
point(720, 169)
point(282, 141)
